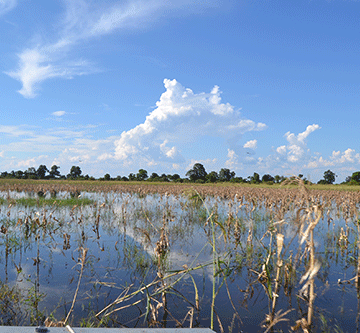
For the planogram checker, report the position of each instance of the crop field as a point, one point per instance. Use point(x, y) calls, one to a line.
point(232, 258)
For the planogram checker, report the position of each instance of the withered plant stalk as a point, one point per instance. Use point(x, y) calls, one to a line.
point(82, 259)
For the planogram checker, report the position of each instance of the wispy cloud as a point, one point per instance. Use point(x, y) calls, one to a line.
point(7, 5)
point(20, 130)
point(182, 117)
point(82, 21)
point(59, 113)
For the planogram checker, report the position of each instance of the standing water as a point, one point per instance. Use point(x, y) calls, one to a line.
point(243, 263)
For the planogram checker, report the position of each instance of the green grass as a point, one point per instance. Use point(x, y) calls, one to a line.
point(37, 202)
point(95, 185)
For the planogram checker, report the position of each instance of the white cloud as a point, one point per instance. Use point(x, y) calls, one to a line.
point(31, 162)
point(297, 145)
point(252, 144)
point(182, 117)
point(208, 163)
point(15, 130)
point(59, 113)
point(281, 150)
point(6, 6)
point(82, 21)
point(348, 157)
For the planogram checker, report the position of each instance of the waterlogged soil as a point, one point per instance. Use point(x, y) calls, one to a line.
point(235, 262)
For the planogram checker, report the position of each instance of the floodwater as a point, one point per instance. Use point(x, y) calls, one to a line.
point(166, 258)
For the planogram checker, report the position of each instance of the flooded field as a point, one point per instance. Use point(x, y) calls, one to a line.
point(233, 259)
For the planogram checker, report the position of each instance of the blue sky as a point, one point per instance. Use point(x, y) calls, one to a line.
point(115, 86)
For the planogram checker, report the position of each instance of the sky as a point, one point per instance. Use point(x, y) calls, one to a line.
point(114, 86)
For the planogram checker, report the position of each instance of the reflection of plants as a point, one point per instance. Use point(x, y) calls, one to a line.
point(136, 258)
point(238, 226)
point(32, 300)
point(194, 198)
point(11, 312)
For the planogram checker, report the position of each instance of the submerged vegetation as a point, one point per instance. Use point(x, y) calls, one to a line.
point(230, 258)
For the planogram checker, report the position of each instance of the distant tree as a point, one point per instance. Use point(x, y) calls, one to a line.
point(175, 177)
point(154, 176)
point(212, 177)
point(107, 177)
point(75, 172)
point(125, 179)
point(142, 175)
point(255, 178)
point(267, 178)
point(329, 177)
point(198, 172)
point(322, 182)
point(54, 171)
point(238, 180)
point(356, 177)
point(41, 171)
point(225, 175)
point(132, 177)
point(30, 173)
point(164, 178)
point(348, 179)
point(19, 174)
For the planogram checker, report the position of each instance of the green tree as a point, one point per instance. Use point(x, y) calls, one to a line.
point(154, 177)
point(164, 178)
point(267, 178)
point(75, 172)
point(329, 177)
point(54, 171)
point(132, 177)
point(225, 175)
point(198, 172)
point(348, 179)
point(255, 178)
point(212, 177)
point(356, 177)
point(30, 173)
point(19, 174)
point(41, 171)
point(142, 175)
point(107, 177)
point(174, 177)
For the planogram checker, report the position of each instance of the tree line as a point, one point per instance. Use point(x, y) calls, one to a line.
point(197, 174)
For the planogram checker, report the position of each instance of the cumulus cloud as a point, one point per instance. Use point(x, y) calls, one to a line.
point(281, 150)
point(297, 147)
point(179, 119)
point(349, 157)
point(83, 21)
point(252, 144)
